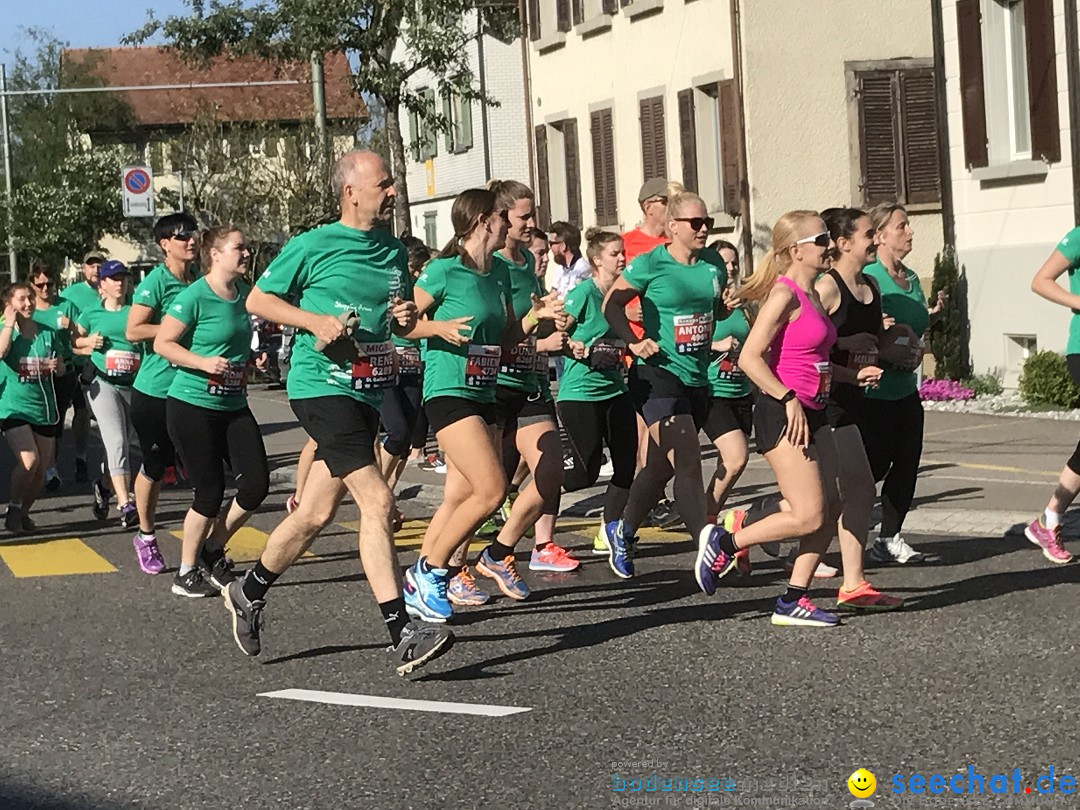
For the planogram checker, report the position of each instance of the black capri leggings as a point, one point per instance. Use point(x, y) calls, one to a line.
point(892, 431)
point(591, 425)
point(1073, 363)
point(400, 410)
point(207, 440)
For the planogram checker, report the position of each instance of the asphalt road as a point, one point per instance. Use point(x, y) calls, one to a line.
point(117, 694)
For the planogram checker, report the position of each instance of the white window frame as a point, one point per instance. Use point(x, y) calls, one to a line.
point(1008, 116)
point(710, 167)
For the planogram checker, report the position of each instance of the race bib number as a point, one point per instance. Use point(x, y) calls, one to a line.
point(376, 368)
point(482, 366)
point(860, 360)
point(692, 332)
point(520, 359)
point(232, 383)
point(727, 366)
point(609, 351)
point(121, 363)
point(33, 368)
point(408, 360)
point(824, 375)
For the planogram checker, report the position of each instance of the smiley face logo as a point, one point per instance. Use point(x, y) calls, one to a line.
point(862, 784)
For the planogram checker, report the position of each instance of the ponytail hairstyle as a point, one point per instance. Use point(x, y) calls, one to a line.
point(212, 238)
point(840, 223)
point(881, 213)
point(469, 206)
point(778, 259)
point(596, 239)
point(508, 192)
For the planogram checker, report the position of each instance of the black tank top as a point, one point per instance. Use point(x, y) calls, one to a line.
point(853, 317)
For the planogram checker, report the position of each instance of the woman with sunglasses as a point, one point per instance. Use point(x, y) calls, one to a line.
point(107, 377)
point(892, 415)
point(206, 335)
point(59, 313)
point(786, 355)
point(680, 285)
point(175, 236)
point(467, 299)
point(31, 360)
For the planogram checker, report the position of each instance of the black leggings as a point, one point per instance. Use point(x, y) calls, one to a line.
point(400, 410)
point(207, 440)
point(591, 425)
point(1073, 362)
point(892, 431)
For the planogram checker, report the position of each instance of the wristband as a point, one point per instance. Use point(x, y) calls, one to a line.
point(790, 395)
point(530, 317)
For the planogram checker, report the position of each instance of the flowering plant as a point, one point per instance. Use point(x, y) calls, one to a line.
point(943, 390)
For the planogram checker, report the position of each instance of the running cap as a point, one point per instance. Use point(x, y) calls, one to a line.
point(657, 187)
point(113, 268)
point(94, 256)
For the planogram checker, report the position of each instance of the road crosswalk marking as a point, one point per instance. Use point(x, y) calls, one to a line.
point(245, 546)
point(52, 558)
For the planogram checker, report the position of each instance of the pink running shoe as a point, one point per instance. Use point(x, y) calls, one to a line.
point(1049, 540)
point(291, 504)
point(149, 555)
point(552, 558)
point(823, 570)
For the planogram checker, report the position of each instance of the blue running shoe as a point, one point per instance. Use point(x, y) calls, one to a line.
point(713, 563)
point(802, 614)
point(619, 547)
point(504, 573)
point(425, 593)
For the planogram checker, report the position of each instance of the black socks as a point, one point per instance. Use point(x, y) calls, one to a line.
point(793, 595)
point(258, 582)
point(498, 552)
point(727, 543)
point(395, 616)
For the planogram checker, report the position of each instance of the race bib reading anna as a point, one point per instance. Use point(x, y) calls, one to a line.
point(692, 332)
point(120, 363)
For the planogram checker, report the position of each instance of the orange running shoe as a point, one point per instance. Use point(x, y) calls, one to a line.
point(866, 597)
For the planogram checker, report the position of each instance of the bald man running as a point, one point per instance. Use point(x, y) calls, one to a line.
point(350, 272)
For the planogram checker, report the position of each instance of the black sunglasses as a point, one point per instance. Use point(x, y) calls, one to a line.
point(697, 222)
point(184, 236)
point(44, 285)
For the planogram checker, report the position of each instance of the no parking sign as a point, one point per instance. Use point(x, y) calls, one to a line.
point(137, 183)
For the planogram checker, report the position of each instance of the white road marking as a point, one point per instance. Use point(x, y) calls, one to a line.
point(376, 702)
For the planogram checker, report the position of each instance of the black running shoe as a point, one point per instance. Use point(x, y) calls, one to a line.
point(420, 643)
point(82, 472)
point(129, 516)
point(218, 569)
point(246, 617)
point(101, 500)
point(193, 584)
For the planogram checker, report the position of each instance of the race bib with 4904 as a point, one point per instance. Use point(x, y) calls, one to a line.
point(693, 332)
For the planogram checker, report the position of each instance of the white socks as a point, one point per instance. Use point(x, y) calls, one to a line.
point(1051, 519)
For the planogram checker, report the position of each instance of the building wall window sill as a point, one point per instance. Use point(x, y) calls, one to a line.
point(550, 42)
point(601, 22)
point(1017, 169)
point(641, 7)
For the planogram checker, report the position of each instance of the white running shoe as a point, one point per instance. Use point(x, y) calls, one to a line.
point(894, 549)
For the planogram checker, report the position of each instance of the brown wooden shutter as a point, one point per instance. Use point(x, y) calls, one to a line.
point(534, 20)
point(610, 6)
point(562, 14)
point(918, 131)
point(1042, 80)
point(972, 89)
point(573, 170)
point(648, 168)
point(729, 145)
point(579, 11)
point(653, 145)
point(625, 3)
point(603, 146)
point(688, 139)
point(878, 136)
point(543, 182)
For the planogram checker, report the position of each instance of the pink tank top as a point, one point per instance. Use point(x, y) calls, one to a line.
point(799, 356)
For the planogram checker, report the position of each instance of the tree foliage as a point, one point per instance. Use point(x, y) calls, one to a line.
point(388, 42)
point(950, 336)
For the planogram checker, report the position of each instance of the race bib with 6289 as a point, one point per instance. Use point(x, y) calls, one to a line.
point(376, 368)
point(693, 332)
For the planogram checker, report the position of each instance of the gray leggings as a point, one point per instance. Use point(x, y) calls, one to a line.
point(111, 405)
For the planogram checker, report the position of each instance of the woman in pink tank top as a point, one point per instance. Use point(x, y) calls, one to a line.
point(786, 356)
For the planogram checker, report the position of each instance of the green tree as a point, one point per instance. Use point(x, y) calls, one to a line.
point(950, 335)
point(388, 42)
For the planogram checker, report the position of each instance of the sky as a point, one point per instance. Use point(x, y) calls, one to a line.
point(79, 23)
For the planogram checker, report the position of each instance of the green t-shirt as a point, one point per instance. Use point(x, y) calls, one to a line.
point(678, 307)
point(216, 327)
point(28, 388)
point(63, 308)
point(907, 307)
point(118, 359)
point(331, 270)
point(520, 364)
point(1069, 247)
point(157, 292)
point(469, 371)
point(81, 294)
point(726, 379)
point(580, 381)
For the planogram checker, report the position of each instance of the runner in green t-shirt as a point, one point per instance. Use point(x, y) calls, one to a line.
point(595, 406)
point(175, 235)
point(31, 360)
point(1045, 530)
point(206, 334)
point(107, 378)
point(891, 419)
point(60, 313)
point(351, 286)
point(467, 294)
point(680, 286)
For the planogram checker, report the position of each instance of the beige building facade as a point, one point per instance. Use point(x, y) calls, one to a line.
point(1013, 170)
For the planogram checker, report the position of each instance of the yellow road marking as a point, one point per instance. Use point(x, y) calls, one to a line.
point(246, 545)
point(53, 558)
point(957, 429)
point(1000, 468)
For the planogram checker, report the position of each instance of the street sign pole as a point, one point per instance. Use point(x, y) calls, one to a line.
point(7, 175)
point(137, 185)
